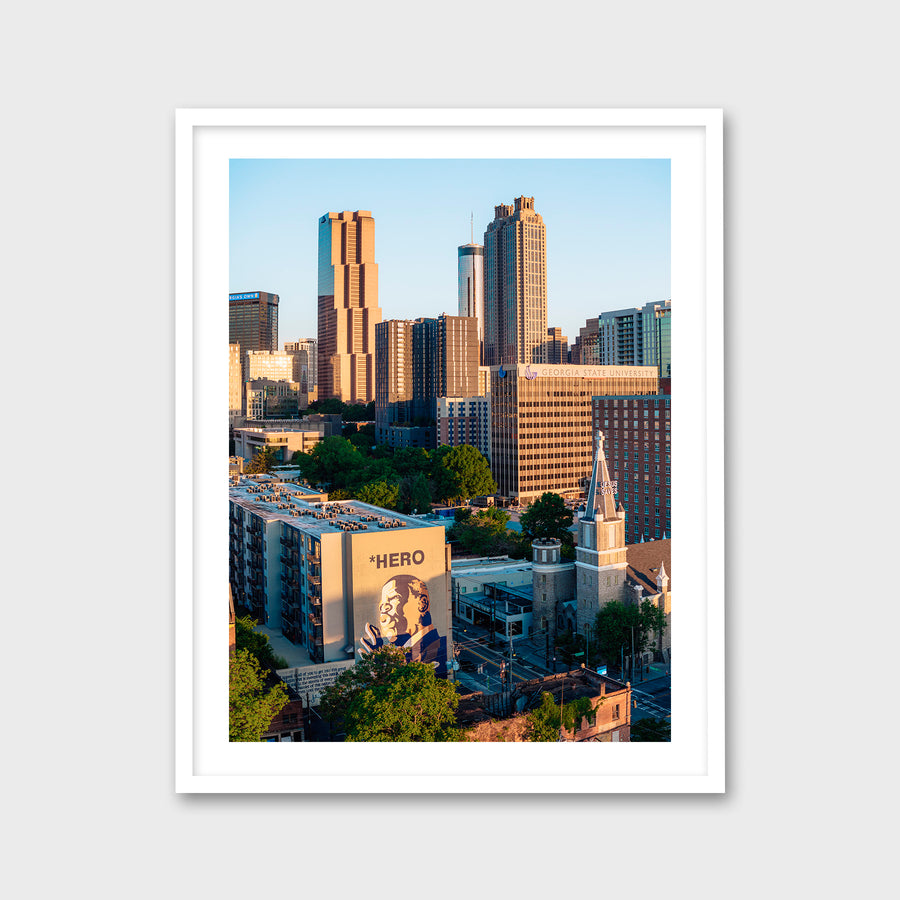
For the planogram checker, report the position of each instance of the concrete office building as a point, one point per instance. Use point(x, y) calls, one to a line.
point(471, 288)
point(393, 374)
point(586, 349)
point(348, 307)
point(541, 435)
point(235, 384)
point(557, 347)
point(275, 365)
point(416, 362)
point(638, 431)
point(464, 420)
point(515, 285)
point(284, 441)
point(640, 336)
point(252, 323)
point(339, 579)
point(306, 364)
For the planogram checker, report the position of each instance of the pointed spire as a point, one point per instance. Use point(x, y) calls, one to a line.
point(601, 493)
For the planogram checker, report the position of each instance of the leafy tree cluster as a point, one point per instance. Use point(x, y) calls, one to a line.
point(406, 479)
point(485, 533)
point(543, 723)
point(616, 624)
point(384, 698)
point(548, 517)
point(262, 462)
point(349, 412)
point(246, 637)
point(251, 704)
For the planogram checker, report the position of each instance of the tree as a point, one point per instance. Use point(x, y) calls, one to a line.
point(543, 723)
point(263, 461)
point(384, 698)
point(471, 470)
point(548, 517)
point(333, 461)
point(650, 730)
point(246, 637)
point(251, 707)
point(379, 493)
point(620, 623)
point(420, 494)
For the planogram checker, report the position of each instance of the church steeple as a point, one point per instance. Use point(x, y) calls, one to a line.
point(601, 493)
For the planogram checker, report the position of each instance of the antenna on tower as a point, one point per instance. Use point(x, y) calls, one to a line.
point(472, 222)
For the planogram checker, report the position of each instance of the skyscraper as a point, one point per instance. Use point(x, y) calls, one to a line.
point(471, 288)
point(253, 323)
point(515, 285)
point(348, 306)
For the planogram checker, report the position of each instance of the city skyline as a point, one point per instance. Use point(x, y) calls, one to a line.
point(608, 226)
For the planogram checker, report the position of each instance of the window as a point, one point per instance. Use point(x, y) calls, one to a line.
point(616, 712)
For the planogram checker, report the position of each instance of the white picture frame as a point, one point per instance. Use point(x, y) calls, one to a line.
point(694, 761)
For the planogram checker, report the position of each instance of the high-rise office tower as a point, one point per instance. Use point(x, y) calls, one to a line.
point(393, 374)
point(471, 288)
point(305, 353)
point(637, 336)
point(253, 323)
point(515, 285)
point(557, 346)
point(348, 306)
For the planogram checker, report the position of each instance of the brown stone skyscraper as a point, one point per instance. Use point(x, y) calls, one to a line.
point(515, 285)
point(348, 306)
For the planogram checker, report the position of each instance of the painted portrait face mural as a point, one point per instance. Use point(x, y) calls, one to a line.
point(404, 620)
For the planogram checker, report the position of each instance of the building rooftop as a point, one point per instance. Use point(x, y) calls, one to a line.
point(644, 561)
point(291, 503)
point(482, 564)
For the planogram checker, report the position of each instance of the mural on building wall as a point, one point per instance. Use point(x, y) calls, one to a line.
point(404, 620)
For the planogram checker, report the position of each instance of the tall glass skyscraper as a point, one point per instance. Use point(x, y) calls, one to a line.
point(252, 323)
point(348, 306)
point(515, 285)
point(471, 288)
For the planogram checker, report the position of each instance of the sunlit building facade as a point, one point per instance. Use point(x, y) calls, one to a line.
point(252, 323)
point(638, 432)
point(541, 423)
point(471, 288)
point(515, 285)
point(348, 306)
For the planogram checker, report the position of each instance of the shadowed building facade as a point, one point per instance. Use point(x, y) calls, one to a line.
point(348, 306)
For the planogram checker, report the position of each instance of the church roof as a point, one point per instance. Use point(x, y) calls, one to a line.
point(644, 561)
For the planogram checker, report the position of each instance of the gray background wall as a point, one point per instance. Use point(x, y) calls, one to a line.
point(810, 230)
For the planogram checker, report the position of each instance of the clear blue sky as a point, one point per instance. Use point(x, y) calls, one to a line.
point(608, 229)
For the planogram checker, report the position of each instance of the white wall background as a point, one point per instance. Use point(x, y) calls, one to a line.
point(811, 191)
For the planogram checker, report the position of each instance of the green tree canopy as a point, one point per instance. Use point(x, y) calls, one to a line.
point(617, 622)
point(246, 637)
point(334, 461)
point(251, 707)
point(485, 534)
point(543, 723)
point(384, 698)
point(548, 517)
point(263, 461)
point(380, 493)
point(470, 474)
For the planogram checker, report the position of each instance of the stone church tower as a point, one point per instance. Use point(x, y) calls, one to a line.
point(553, 581)
point(600, 558)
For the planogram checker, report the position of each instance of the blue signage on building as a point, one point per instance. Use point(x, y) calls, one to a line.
point(244, 296)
